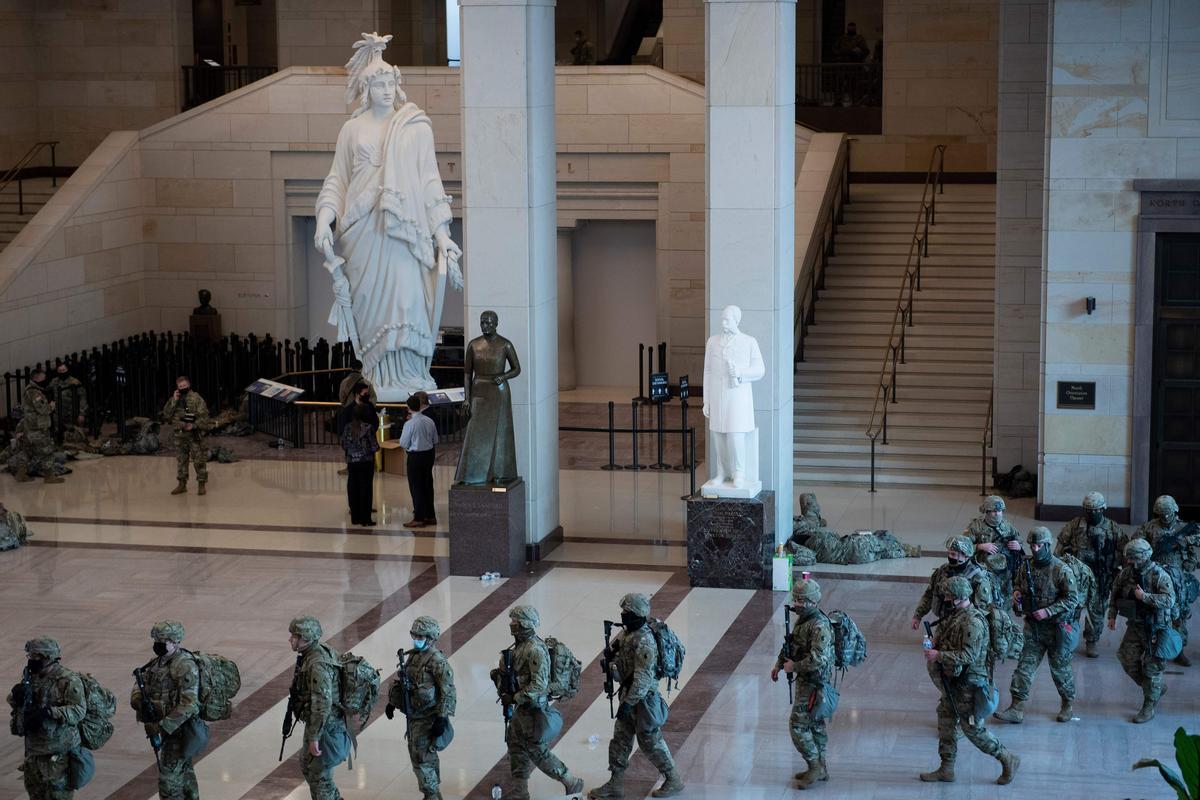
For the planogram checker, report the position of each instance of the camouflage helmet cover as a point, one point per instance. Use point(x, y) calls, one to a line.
point(525, 616)
point(1139, 549)
point(636, 603)
point(1094, 501)
point(1039, 535)
point(960, 544)
point(809, 504)
point(307, 628)
point(809, 591)
point(425, 628)
point(43, 646)
point(993, 502)
point(167, 630)
point(958, 587)
point(1166, 505)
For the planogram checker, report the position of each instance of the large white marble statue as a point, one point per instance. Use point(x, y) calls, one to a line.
point(731, 362)
point(392, 254)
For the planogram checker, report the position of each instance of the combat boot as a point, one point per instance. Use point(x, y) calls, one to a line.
point(1147, 712)
point(180, 489)
point(816, 772)
point(615, 787)
point(22, 475)
point(944, 773)
point(1066, 711)
point(53, 479)
point(1015, 713)
point(671, 786)
point(572, 784)
point(520, 790)
point(1090, 650)
point(200, 489)
point(1182, 659)
point(1010, 761)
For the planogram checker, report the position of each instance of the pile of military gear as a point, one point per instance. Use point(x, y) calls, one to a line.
point(1017, 482)
point(144, 440)
point(13, 532)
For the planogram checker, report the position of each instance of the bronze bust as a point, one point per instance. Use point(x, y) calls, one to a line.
point(205, 306)
point(489, 452)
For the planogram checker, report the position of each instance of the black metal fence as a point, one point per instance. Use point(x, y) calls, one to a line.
point(839, 84)
point(203, 83)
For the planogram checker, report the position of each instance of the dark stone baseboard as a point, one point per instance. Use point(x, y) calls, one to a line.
point(919, 177)
point(1044, 512)
point(539, 550)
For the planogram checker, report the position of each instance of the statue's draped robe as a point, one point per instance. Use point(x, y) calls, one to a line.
point(388, 199)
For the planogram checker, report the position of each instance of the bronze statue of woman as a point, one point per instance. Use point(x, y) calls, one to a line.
point(489, 451)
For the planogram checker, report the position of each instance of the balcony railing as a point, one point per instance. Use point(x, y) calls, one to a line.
point(204, 83)
point(840, 97)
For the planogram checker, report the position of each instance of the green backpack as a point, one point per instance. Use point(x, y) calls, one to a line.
point(220, 680)
point(565, 671)
point(96, 728)
point(359, 687)
point(1006, 636)
point(849, 644)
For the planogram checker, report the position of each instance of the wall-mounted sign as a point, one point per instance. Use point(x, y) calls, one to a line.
point(1170, 204)
point(660, 388)
point(1076, 394)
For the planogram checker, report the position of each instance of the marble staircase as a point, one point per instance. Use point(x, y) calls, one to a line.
point(935, 427)
point(37, 192)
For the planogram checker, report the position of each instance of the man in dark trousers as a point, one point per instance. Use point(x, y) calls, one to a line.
point(418, 438)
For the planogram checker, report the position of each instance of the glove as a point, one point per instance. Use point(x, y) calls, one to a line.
point(153, 729)
point(625, 711)
point(35, 718)
point(439, 727)
point(390, 711)
point(17, 695)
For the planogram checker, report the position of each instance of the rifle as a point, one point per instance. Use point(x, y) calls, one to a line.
point(289, 722)
point(405, 685)
point(942, 675)
point(610, 688)
point(508, 687)
point(1168, 541)
point(1104, 552)
point(26, 699)
point(149, 713)
point(786, 651)
point(1013, 557)
point(1033, 601)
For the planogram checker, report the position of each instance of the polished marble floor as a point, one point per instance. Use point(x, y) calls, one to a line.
point(114, 551)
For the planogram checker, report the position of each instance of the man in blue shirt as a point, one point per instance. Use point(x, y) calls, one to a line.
point(418, 438)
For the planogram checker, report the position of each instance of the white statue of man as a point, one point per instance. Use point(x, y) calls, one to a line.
point(394, 251)
point(731, 362)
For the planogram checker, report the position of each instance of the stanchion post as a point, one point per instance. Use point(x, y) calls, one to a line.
point(634, 409)
point(612, 441)
point(683, 437)
point(659, 465)
point(641, 395)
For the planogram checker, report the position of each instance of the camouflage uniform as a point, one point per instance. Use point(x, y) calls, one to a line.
point(809, 533)
point(431, 697)
point(73, 405)
point(1153, 610)
point(1183, 554)
point(812, 657)
point(189, 445)
point(635, 658)
point(935, 593)
point(315, 694)
point(980, 532)
point(13, 532)
point(961, 666)
point(1053, 590)
point(51, 730)
point(531, 663)
point(1099, 547)
point(173, 686)
point(33, 453)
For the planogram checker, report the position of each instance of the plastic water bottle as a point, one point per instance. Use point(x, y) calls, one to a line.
point(497, 792)
point(593, 741)
point(927, 643)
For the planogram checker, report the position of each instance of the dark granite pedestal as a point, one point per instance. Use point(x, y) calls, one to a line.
point(487, 529)
point(730, 541)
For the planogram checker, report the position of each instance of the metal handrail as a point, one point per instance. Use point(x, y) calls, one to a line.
point(820, 247)
point(985, 442)
point(14, 173)
point(902, 317)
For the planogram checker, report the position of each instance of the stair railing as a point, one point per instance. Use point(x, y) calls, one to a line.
point(902, 317)
point(811, 278)
point(17, 172)
point(985, 442)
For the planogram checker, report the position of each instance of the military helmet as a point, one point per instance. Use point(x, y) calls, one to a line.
point(808, 591)
point(1166, 505)
point(525, 616)
point(636, 603)
point(808, 503)
point(425, 628)
point(1138, 549)
point(958, 587)
point(960, 544)
point(43, 646)
point(1039, 535)
point(993, 502)
point(1094, 501)
point(307, 628)
point(167, 631)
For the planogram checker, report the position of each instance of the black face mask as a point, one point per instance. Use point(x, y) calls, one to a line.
point(1042, 556)
point(160, 648)
point(1094, 517)
point(364, 398)
point(632, 621)
point(35, 665)
point(184, 391)
point(40, 382)
point(63, 374)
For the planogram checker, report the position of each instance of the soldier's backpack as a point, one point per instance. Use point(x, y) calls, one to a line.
point(565, 671)
point(1006, 637)
point(359, 687)
point(1085, 583)
point(671, 651)
point(1179, 586)
point(96, 728)
point(220, 680)
point(849, 644)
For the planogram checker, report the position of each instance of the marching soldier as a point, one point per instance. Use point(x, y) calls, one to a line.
point(811, 660)
point(314, 700)
point(430, 703)
point(172, 682)
point(1175, 550)
point(47, 710)
point(1143, 594)
point(995, 539)
point(1098, 542)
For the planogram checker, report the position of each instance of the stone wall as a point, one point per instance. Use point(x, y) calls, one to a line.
point(683, 38)
point(320, 32)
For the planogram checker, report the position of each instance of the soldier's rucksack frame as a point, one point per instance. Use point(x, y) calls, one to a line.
point(96, 728)
point(669, 663)
point(220, 681)
point(565, 670)
point(358, 687)
point(849, 644)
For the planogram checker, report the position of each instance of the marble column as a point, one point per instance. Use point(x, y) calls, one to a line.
point(750, 57)
point(509, 219)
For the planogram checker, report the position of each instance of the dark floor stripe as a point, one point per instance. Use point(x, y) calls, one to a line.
point(235, 551)
point(704, 686)
point(663, 602)
point(624, 541)
point(286, 777)
point(861, 576)
point(145, 784)
point(233, 526)
point(616, 567)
